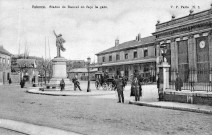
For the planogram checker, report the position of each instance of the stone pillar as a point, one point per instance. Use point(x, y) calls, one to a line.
point(192, 57)
point(157, 56)
point(165, 66)
point(210, 48)
point(210, 52)
point(174, 59)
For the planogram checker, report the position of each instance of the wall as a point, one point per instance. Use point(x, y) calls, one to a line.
point(188, 97)
point(140, 53)
point(15, 78)
point(5, 68)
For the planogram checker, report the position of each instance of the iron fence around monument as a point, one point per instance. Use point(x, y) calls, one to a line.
point(193, 80)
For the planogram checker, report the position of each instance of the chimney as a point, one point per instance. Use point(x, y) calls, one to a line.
point(139, 37)
point(191, 12)
point(173, 17)
point(117, 42)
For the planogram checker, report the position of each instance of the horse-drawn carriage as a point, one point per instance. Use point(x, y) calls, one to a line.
point(104, 80)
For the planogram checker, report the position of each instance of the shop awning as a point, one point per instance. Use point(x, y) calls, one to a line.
point(127, 62)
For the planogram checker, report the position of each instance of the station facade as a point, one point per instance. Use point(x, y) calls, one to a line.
point(137, 55)
point(189, 45)
point(188, 42)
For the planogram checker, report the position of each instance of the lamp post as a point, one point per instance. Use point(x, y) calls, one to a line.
point(88, 67)
point(163, 48)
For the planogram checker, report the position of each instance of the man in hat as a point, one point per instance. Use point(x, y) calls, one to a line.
point(136, 86)
point(120, 88)
point(62, 85)
point(76, 83)
point(178, 83)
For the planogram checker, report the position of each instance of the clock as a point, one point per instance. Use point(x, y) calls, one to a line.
point(202, 44)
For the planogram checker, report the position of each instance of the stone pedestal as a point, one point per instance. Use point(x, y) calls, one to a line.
point(165, 68)
point(59, 72)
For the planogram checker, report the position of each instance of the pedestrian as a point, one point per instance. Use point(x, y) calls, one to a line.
point(22, 83)
point(76, 83)
point(178, 83)
point(140, 81)
point(136, 88)
point(120, 88)
point(160, 90)
point(62, 85)
point(113, 83)
point(10, 81)
point(33, 80)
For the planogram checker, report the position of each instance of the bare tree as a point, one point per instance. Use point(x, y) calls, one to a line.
point(44, 67)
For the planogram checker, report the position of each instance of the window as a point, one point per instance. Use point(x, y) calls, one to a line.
point(110, 58)
point(145, 52)
point(3, 60)
point(117, 57)
point(8, 62)
point(146, 68)
point(135, 54)
point(126, 56)
point(103, 59)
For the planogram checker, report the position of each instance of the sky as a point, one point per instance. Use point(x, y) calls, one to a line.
point(87, 30)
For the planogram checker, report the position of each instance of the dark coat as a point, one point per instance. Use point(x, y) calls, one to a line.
point(136, 86)
point(10, 81)
point(62, 83)
point(178, 83)
point(22, 83)
point(158, 82)
point(119, 84)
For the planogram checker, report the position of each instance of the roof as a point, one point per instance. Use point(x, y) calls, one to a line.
point(129, 44)
point(82, 70)
point(127, 62)
point(4, 51)
point(185, 20)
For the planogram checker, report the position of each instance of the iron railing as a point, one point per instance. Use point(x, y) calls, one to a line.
point(193, 80)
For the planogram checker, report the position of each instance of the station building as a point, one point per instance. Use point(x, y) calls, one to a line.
point(189, 45)
point(124, 58)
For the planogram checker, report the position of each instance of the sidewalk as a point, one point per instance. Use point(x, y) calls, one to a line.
point(176, 106)
point(31, 129)
point(71, 92)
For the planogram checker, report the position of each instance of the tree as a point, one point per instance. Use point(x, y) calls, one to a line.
point(25, 64)
point(72, 64)
point(44, 67)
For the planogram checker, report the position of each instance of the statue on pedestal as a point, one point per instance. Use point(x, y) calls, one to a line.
point(59, 43)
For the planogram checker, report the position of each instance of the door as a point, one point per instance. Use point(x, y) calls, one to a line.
point(183, 66)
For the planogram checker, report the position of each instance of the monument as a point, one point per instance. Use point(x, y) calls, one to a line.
point(59, 65)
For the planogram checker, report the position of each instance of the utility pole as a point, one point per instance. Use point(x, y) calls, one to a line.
point(49, 49)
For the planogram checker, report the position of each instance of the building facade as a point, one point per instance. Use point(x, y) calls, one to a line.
point(5, 65)
point(189, 45)
point(136, 55)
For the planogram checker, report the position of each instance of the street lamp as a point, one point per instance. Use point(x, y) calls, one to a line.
point(163, 48)
point(88, 67)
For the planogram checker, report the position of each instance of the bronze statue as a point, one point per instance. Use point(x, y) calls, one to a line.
point(59, 43)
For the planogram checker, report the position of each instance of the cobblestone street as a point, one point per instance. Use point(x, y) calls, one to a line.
point(93, 116)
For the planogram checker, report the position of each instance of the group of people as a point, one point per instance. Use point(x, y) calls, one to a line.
point(136, 89)
point(74, 80)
